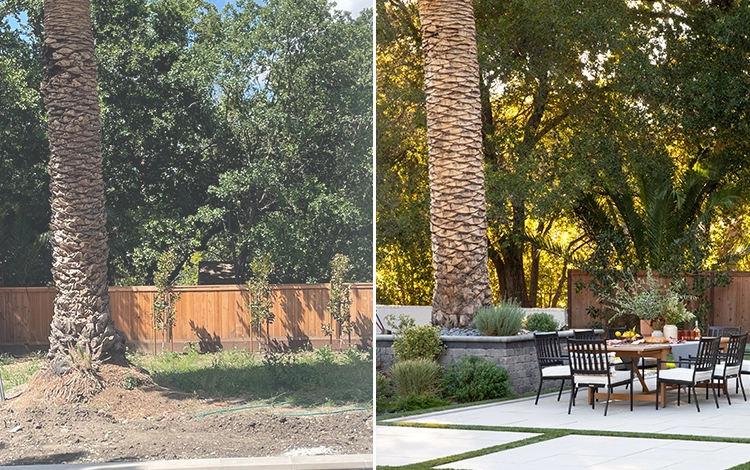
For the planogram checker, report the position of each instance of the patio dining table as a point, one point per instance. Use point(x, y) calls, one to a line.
point(632, 353)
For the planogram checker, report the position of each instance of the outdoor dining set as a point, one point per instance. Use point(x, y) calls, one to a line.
point(587, 361)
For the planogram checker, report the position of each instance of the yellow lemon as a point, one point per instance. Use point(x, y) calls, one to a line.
point(618, 334)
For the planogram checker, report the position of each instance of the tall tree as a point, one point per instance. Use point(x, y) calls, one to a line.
point(404, 273)
point(82, 328)
point(458, 221)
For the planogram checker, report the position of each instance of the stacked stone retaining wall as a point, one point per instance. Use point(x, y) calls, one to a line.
point(515, 353)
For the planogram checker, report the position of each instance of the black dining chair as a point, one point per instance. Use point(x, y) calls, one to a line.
point(723, 331)
point(585, 334)
point(700, 372)
point(730, 364)
point(591, 366)
point(552, 361)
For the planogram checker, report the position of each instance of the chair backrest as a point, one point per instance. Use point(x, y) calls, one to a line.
point(588, 357)
point(705, 361)
point(612, 332)
point(548, 349)
point(585, 334)
point(735, 351)
point(723, 331)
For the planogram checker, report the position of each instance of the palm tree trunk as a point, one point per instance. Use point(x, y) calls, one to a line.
point(82, 327)
point(458, 220)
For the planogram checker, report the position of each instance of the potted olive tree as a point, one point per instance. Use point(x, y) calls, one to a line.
point(653, 302)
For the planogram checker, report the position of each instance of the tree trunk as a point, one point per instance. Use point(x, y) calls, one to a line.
point(533, 297)
point(82, 328)
point(458, 220)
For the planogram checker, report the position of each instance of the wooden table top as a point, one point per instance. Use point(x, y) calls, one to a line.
point(639, 347)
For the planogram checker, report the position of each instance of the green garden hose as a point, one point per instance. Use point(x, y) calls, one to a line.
point(313, 413)
point(238, 408)
point(247, 407)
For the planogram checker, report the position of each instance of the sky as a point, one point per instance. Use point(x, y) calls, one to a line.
point(354, 6)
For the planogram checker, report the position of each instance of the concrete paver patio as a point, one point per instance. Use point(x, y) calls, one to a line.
point(578, 451)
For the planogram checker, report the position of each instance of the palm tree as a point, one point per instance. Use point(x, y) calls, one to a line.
point(659, 216)
point(458, 220)
point(82, 329)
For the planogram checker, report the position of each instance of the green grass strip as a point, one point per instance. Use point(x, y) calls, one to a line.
point(456, 406)
point(580, 432)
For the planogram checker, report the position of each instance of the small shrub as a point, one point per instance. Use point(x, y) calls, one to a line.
point(400, 324)
point(418, 342)
point(417, 377)
point(502, 320)
point(540, 321)
point(130, 381)
point(472, 378)
point(383, 387)
point(325, 354)
point(5, 359)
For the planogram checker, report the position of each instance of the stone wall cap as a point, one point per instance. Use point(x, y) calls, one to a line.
point(489, 339)
point(472, 339)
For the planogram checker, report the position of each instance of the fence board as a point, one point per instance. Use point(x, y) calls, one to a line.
point(209, 316)
point(730, 303)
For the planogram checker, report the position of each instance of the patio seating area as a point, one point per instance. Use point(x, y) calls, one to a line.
point(494, 435)
point(643, 438)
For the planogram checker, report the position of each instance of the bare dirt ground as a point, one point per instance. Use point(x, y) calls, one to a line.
point(150, 422)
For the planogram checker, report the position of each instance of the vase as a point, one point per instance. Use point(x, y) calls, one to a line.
point(657, 333)
point(670, 331)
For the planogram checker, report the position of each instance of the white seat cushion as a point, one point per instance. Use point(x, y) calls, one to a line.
point(556, 371)
point(722, 370)
point(601, 380)
point(684, 375)
point(746, 366)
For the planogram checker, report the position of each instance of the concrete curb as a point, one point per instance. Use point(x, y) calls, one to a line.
point(317, 462)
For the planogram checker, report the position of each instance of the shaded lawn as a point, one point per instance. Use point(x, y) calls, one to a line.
point(309, 378)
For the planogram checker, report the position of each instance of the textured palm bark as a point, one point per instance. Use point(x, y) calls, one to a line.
point(458, 220)
point(82, 327)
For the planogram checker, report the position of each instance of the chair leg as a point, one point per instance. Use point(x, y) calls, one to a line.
point(739, 381)
point(716, 399)
point(539, 391)
point(679, 389)
point(631, 393)
point(606, 405)
point(561, 389)
point(657, 395)
point(726, 392)
point(572, 396)
point(695, 396)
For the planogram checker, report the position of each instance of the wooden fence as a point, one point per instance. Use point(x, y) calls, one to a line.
point(211, 317)
point(731, 304)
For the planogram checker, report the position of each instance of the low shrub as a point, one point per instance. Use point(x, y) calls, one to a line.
point(541, 321)
point(383, 387)
point(417, 377)
point(505, 319)
point(472, 378)
point(418, 342)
